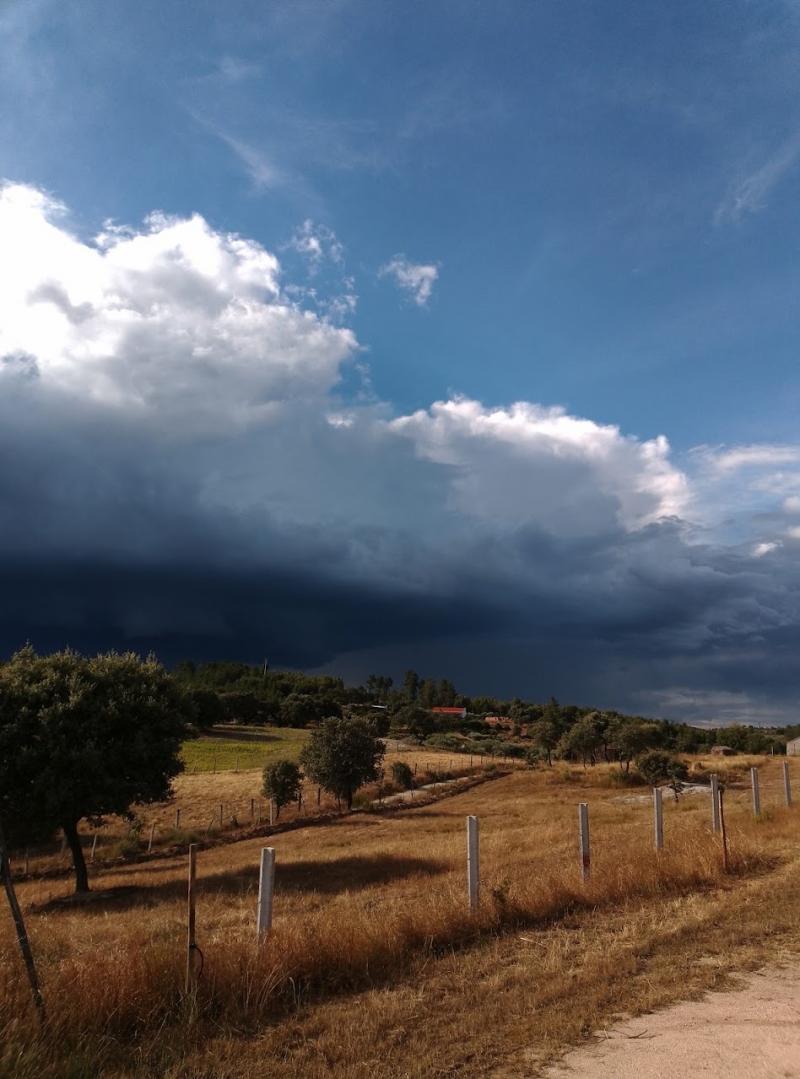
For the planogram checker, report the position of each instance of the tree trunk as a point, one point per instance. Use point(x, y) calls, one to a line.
point(349, 800)
point(78, 861)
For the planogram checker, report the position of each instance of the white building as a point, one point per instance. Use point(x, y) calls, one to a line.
point(793, 748)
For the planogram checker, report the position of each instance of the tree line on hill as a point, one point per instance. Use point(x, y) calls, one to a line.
point(221, 692)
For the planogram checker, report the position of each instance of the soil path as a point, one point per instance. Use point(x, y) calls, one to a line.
point(748, 1033)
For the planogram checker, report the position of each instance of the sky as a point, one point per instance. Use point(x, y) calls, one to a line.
point(362, 335)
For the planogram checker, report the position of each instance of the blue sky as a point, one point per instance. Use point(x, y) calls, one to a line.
point(583, 205)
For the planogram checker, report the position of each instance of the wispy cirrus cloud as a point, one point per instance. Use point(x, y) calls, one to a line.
point(749, 194)
point(414, 278)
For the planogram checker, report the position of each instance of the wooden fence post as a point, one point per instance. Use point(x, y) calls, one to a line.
point(756, 792)
point(271, 812)
point(21, 931)
point(787, 784)
point(177, 819)
point(723, 832)
point(715, 826)
point(192, 973)
point(94, 848)
point(658, 811)
point(220, 814)
point(152, 834)
point(583, 833)
point(473, 864)
point(252, 809)
point(266, 885)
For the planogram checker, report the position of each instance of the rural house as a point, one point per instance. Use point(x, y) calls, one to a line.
point(458, 713)
point(793, 747)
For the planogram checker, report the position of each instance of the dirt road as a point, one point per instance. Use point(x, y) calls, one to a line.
point(749, 1033)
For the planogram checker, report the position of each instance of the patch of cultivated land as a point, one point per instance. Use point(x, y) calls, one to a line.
point(375, 966)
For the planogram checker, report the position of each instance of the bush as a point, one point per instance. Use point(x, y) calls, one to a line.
point(658, 766)
point(402, 775)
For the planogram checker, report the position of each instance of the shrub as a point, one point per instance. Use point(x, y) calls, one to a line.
point(402, 775)
point(659, 766)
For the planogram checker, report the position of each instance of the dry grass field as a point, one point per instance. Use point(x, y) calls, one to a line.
point(234, 789)
point(376, 967)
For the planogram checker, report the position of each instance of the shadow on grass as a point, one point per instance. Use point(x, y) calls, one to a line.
point(326, 877)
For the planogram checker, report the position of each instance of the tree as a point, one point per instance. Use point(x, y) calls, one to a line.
point(411, 685)
point(631, 737)
point(206, 708)
point(583, 738)
point(378, 685)
point(282, 782)
point(341, 756)
point(84, 737)
point(418, 722)
point(301, 709)
point(544, 735)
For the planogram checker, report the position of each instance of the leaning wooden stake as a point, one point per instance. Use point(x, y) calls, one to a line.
point(19, 926)
point(715, 802)
point(152, 835)
point(266, 886)
point(94, 848)
point(723, 832)
point(583, 834)
point(192, 972)
point(473, 864)
point(658, 818)
point(787, 784)
point(756, 792)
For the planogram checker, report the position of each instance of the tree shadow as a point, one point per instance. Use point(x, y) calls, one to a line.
point(351, 873)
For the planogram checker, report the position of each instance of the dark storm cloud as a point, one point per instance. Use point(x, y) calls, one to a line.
point(179, 472)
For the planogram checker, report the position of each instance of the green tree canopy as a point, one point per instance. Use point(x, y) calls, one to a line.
point(417, 721)
point(282, 782)
point(342, 755)
point(84, 737)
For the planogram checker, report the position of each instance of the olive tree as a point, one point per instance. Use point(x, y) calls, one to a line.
point(282, 782)
point(342, 755)
point(83, 738)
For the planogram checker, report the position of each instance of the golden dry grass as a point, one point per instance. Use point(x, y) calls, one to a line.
point(200, 795)
point(374, 957)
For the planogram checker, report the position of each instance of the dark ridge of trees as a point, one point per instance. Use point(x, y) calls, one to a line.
point(248, 694)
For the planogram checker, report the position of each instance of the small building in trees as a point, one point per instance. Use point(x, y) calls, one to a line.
point(793, 747)
point(723, 751)
point(454, 713)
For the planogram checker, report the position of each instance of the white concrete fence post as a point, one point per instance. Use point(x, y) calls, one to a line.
point(787, 784)
point(658, 818)
point(583, 834)
point(266, 885)
point(756, 792)
point(473, 864)
point(715, 803)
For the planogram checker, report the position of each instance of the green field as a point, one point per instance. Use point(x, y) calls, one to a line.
point(229, 749)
